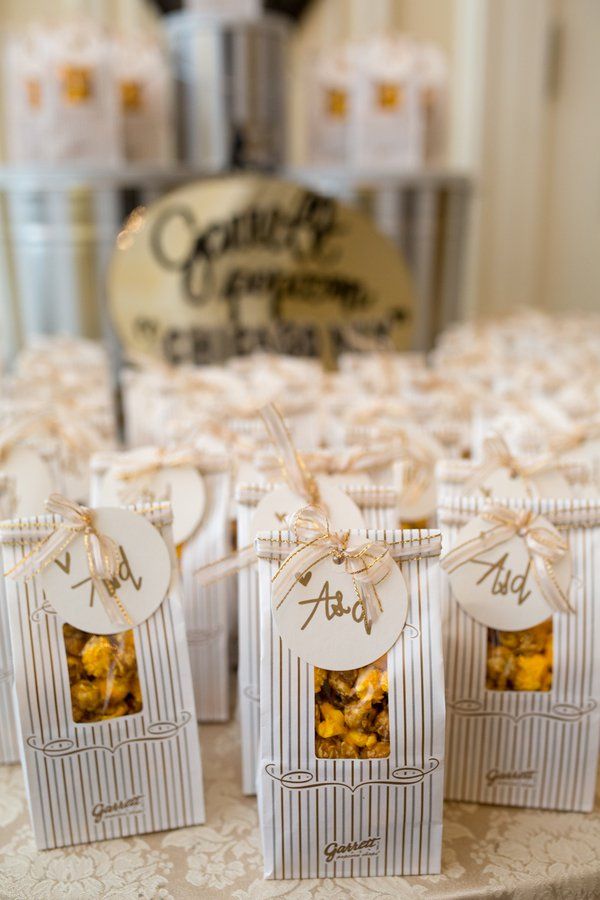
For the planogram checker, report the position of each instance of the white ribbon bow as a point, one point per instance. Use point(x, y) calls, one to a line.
point(544, 548)
point(103, 554)
point(368, 564)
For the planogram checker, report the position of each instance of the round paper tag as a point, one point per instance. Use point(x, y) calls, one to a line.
point(183, 486)
point(544, 484)
point(274, 509)
point(33, 480)
point(323, 621)
point(498, 587)
point(141, 584)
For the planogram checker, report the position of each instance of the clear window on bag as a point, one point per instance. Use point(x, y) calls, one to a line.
point(352, 718)
point(520, 660)
point(103, 675)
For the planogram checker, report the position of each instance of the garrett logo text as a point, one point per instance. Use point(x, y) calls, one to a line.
point(525, 778)
point(335, 852)
point(130, 807)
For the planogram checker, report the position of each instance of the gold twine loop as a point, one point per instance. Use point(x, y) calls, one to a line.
point(545, 547)
point(102, 552)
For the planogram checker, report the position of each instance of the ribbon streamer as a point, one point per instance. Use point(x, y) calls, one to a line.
point(293, 468)
point(417, 453)
point(227, 565)
point(103, 554)
point(544, 547)
point(368, 564)
point(497, 455)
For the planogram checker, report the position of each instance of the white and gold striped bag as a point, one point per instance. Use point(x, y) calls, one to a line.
point(115, 773)
point(378, 508)
point(523, 706)
point(380, 814)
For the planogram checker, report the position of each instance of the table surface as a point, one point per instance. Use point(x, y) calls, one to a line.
point(488, 852)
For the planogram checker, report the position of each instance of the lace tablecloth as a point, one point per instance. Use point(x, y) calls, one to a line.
point(488, 852)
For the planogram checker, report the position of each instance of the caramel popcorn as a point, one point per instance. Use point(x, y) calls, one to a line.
point(520, 660)
point(351, 713)
point(102, 674)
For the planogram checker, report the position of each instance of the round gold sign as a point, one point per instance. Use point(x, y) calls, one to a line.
point(248, 262)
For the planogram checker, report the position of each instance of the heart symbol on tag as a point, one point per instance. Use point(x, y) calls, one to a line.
point(304, 579)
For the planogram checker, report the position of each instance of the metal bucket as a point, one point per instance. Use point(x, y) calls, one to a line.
point(230, 79)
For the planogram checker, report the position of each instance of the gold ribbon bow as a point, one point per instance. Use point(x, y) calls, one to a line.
point(496, 455)
point(293, 468)
point(103, 553)
point(576, 436)
point(417, 454)
point(144, 463)
point(346, 461)
point(544, 547)
point(368, 564)
point(76, 439)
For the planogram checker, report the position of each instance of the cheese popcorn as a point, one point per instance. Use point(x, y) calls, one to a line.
point(103, 675)
point(520, 660)
point(351, 713)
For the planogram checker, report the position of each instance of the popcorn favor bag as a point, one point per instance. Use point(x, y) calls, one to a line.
point(266, 508)
point(197, 484)
point(352, 708)
point(522, 638)
point(103, 683)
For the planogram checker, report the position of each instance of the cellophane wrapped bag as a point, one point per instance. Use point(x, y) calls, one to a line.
point(521, 638)
point(351, 702)
point(109, 740)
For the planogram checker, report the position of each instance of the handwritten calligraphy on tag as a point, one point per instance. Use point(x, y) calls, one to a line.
point(141, 582)
point(324, 621)
point(498, 587)
point(332, 604)
point(503, 581)
point(125, 574)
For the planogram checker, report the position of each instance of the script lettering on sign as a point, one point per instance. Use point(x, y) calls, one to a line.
point(248, 262)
